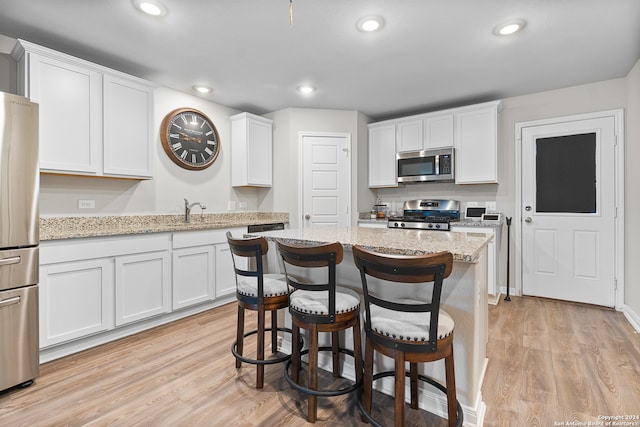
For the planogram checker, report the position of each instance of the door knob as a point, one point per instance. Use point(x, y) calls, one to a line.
point(527, 208)
point(528, 219)
point(307, 216)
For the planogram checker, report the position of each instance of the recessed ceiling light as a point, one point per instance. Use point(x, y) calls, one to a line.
point(509, 27)
point(306, 89)
point(203, 89)
point(370, 23)
point(150, 7)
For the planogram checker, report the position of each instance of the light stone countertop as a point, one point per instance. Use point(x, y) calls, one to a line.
point(57, 228)
point(464, 246)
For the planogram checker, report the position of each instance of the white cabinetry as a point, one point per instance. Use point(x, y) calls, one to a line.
point(143, 286)
point(225, 275)
point(93, 121)
point(251, 150)
point(382, 156)
point(76, 299)
point(80, 277)
point(410, 135)
point(476, 143)
point(438, 131)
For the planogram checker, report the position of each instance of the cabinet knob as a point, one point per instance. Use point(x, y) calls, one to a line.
point(307, 216)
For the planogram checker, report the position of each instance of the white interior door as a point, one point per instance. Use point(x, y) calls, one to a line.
point(326, 179)
point(568, 210)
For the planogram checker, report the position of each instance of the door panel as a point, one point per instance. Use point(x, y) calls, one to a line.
point(326, 180)
point(568, 197)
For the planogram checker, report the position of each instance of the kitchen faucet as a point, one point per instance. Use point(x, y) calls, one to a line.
point(187, 209)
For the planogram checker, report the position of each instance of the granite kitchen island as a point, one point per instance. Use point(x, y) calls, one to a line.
point(464, 297)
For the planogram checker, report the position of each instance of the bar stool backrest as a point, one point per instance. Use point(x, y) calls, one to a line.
point(255, 248)
point(417, 269)
point(317, 256)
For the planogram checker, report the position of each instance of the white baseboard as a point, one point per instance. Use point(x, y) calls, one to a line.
point(632, 317)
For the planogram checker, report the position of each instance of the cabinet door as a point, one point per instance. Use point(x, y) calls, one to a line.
point(76, 300)
point(225, 275)
point(438, 131)
point(476, 146)
point(382, 157)
point(143, 287)
point(70, 99)
point(127, 128)
point(193, 275)
point(251, 151)
point(410, 136)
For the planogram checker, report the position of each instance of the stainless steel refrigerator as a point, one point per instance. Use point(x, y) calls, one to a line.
point(19, 239)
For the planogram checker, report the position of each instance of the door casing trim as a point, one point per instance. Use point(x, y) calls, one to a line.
point(619, 254)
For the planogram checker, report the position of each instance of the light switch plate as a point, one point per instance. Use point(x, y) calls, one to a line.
point(472, 204)
point(491, 206)
point(242, 205)
point(231, 205)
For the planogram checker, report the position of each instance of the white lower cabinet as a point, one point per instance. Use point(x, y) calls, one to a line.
point(143, 286)
point(225, 275)
point(76, 300)
point(193, 275)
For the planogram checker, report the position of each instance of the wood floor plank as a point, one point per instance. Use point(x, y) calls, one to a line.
point(549, 362)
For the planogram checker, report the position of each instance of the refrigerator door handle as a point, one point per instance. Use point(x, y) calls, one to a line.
point(10, 301)
point(10, 260)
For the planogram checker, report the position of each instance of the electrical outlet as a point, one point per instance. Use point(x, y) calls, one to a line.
point(86, 204)
point(491, 206)
point(231, 205)
point(472, 204)
point(242, 205)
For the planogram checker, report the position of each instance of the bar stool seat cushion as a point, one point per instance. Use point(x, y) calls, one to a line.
point(317, 302)
point(408, 326)
point(274, 285)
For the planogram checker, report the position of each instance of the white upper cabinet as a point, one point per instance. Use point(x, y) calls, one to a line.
point(410, 136)
point(438, 131)
point(251, 150)
point(382, 156)
point(477, 144)
point(93, 121)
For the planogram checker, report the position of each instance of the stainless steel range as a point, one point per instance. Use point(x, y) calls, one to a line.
point(427, 215)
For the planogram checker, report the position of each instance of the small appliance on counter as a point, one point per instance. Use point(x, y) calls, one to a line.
point(427, 215)
point(19, 241)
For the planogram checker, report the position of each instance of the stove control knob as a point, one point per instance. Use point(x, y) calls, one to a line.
point(430, 225)
point(395, 224)
point(402, 224)
point(437, 225)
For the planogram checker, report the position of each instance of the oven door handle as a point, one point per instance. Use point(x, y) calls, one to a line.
point(10, 260)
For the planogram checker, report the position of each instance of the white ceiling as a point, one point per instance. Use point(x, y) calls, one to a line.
point(430, 54)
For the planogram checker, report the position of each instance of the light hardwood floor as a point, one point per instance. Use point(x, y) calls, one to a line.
point(550, 362)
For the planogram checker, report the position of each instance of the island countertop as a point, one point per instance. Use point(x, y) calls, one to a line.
point(465, 247)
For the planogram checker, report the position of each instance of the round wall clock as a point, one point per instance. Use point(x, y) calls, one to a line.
point(190, 138)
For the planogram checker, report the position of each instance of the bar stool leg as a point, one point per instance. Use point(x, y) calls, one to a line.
point(367, 381)
point(451, 389)
point(413, 369)
point(295, 352)
point(335, 351)
point(240, 335)
point(274, 331)
point(399, 389)
point(260, 349)
point(357, 349)
point(312, 410)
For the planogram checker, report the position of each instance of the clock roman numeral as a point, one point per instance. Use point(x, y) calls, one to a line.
point(204, 159)
point(176, 125)
point(209, 133)
point(183, 155)
point(208, 151)
point(184, 119)
point(176, 146)
point(174, 135)
point(193, 158)
point(209, 142)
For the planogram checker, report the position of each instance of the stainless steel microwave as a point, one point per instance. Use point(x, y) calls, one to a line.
point(426, 165)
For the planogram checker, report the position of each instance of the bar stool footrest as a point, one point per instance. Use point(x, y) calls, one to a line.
point(424, 378)
point(271, 361)
point(322, 393)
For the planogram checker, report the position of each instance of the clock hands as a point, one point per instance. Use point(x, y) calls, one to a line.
point(190, 138)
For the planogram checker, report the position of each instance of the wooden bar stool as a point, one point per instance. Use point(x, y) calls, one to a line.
point(259, 292)
point(320, 306)
point(407, 330)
